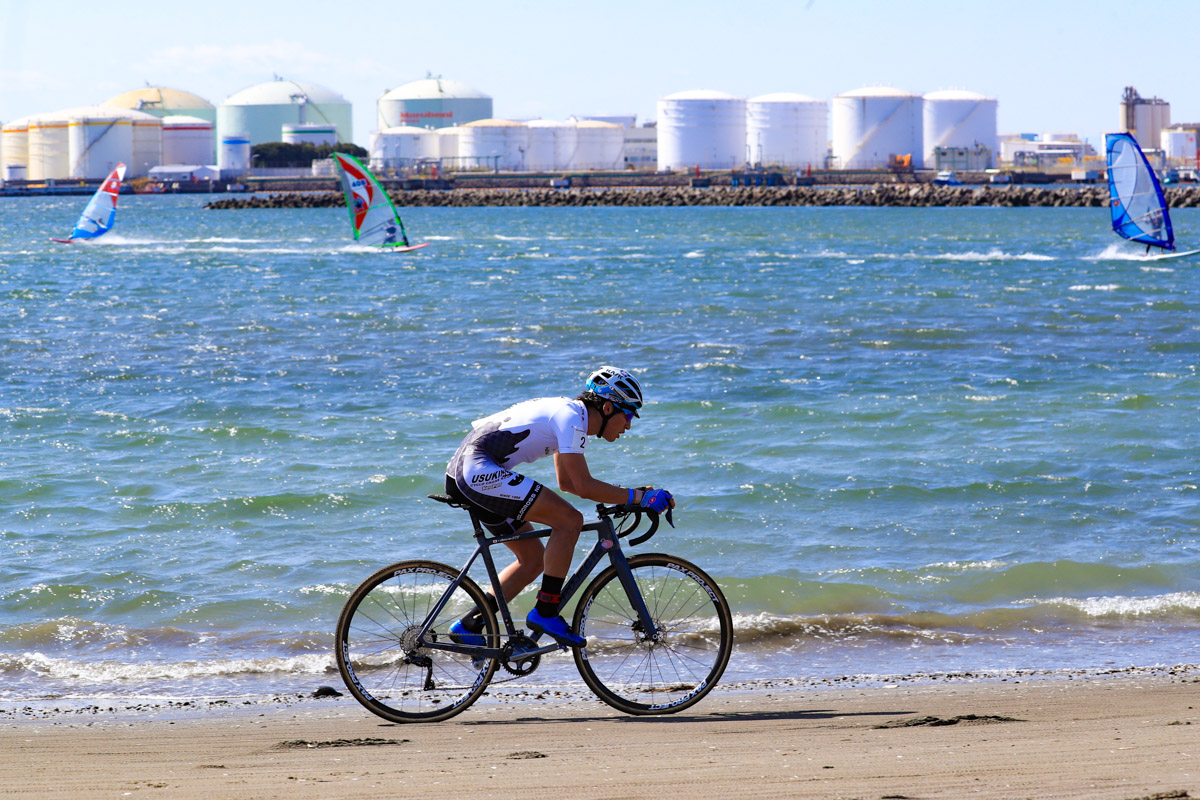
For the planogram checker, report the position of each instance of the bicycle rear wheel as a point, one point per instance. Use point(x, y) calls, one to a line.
point(638, 674)
point(381, 660)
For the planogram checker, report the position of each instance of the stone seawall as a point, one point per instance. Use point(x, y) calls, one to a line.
point(886, 195)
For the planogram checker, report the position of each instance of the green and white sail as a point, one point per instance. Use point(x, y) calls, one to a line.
point(373, 217)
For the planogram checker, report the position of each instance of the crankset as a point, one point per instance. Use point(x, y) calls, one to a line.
point(511, 657)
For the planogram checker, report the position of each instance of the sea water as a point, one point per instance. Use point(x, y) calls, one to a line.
point(902, 440)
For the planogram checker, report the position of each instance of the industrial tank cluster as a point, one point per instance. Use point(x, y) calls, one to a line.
point(449, 122)
point(445, 120)
point(537, 145)
point(155, 126)
point(714, 130)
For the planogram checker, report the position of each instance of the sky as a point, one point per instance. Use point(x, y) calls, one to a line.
point(1058, 65)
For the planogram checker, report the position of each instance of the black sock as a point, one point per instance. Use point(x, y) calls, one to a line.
point(550, 596)
point(473, 621)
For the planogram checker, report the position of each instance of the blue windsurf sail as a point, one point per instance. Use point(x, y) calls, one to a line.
point(1139, 210)
point(101, 212)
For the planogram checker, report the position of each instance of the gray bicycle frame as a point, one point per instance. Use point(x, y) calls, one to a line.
point(607, 544)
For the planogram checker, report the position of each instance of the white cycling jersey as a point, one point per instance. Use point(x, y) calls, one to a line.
point(481, 469)
point(531, 430)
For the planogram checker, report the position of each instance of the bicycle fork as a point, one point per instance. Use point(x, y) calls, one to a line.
point(609, 546)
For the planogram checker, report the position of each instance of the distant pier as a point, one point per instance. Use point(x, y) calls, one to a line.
point(889, 195)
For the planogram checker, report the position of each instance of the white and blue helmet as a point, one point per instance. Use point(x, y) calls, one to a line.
point(618, 386)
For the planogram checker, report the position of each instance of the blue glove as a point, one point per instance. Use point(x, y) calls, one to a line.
point(657, 500)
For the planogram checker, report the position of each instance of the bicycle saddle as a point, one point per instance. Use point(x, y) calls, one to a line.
point(447, 499)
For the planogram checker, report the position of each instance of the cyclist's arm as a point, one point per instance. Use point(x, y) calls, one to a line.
point(575, 477)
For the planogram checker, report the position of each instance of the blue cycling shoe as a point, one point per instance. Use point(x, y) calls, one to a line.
point(460, 635)
point(554, 627)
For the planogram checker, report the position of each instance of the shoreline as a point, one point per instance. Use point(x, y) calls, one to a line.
point(1118, 738)
point(113, 707)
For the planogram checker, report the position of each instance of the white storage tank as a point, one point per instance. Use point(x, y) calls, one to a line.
point(96, 143)
point(788, 129)
point(163, 102)
point(14, 147)
point(955, 118)
point(1179, 145)
point(187, 140)
point(543, 146)
point(598, 145)
point(233, 153)
point(310, 133)
point(448, 144)
point(493, 143)
point(261, 111)
point(701, 128)
point(49, 148)
point(400, 146)
point(562, 134)
point(871, 124)
point(432, 103)
point(160, 101)
point(147, 145)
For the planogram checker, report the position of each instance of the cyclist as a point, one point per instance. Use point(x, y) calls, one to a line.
point(481, 474)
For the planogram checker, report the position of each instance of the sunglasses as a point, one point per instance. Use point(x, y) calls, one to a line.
point(627, 411)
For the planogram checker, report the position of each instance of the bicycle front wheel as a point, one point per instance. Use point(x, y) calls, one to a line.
point(388, 666)
point(673, 669)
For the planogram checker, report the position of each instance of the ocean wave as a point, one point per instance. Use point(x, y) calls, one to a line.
point(81, 672)
point(990, 255)
point(1174, 604)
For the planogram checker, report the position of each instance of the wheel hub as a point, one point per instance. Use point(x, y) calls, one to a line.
point(409, 640)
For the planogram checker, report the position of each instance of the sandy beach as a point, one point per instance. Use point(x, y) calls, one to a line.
point(1132, 735)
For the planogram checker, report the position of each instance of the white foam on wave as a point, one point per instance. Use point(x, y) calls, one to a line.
point(991, 255)
point(1084, 287)
point(1119, 251)
point(986, 565)
point(1122, 606)
point(107, 672)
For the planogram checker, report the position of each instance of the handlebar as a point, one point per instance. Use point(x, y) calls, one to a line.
point(622, 510)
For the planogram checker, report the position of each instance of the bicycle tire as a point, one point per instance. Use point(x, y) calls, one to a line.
point(634, 674)
point(379, 659)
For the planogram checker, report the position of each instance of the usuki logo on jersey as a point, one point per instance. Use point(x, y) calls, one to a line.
point(489, 480)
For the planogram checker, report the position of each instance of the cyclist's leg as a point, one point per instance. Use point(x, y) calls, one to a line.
point(501, 492)
point(529, 553)
point(565, 523)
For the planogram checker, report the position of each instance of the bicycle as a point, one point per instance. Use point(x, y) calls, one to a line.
point(659, 630)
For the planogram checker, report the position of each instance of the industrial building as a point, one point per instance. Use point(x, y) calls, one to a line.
point(432, 103)
point(259, 113)
point(701, 129)
point(959, 130)
point(187, 140)
point(788, 130)
point(160, 101)
point(80, 143)
point(873, 124)
point(1145, 117)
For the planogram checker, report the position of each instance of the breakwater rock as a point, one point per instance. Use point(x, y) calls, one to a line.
point(884, 195)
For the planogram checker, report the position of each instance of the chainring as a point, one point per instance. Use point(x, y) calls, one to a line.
point(519, 666)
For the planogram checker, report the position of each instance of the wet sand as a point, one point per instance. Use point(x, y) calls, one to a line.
point(1095, 737)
